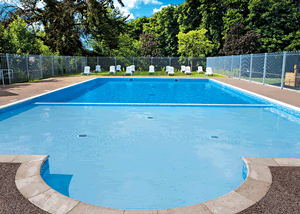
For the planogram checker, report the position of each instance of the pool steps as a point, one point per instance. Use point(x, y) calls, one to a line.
point(30, 183)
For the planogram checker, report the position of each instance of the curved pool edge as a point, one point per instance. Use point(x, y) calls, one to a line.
point(30, 183)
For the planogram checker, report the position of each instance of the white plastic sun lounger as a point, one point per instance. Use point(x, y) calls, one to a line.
point(132, 68)
point(112, 70)
point(151, 69)
point(182, 69)
point(188, 70)
point(118, 68)
point(128, 70)
point(98, 68)
point(167, 69)
point(171, 72)
point(209, 71)
point(200, 70)
point(87, 70)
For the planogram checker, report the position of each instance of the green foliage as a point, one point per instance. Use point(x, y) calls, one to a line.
point(277, 21)
point(194, 44)
point(95, 27)
point(19, 39)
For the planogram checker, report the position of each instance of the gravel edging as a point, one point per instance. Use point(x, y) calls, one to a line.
point(11, 200)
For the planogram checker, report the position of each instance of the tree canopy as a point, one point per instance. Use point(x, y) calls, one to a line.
point(96, 27)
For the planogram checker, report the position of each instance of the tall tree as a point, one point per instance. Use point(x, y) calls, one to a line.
point(194, 44)
point(18, 39)
point(189, 15)
point(136, 27)
point(213, 12)
point(240, 41)
point(277, 21)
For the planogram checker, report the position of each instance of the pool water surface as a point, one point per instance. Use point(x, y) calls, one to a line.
point(141, 157)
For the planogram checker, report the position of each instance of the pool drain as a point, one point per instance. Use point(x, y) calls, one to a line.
point(149, 118)
point(214, 137)
point(82, 135)
point(151, 94)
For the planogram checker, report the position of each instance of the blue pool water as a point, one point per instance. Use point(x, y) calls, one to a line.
point(200, 91)
point(141, 157)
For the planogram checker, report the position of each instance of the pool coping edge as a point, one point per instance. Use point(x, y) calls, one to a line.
point(30, 183)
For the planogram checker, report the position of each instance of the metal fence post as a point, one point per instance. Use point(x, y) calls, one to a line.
point(76, 68)
point(133, 60)
point(188, 61)
point(240, 70)
point(41, 67)
point(69, 64)
point(115, 61)
point(231, 66)
point(170, 61)
point(26, 61)
point(97, 60)
point(224, 64)
point(8, 68)
point(250, 67)
point(151, 60)
point(283, 68)
point(52, 66)
point(265, 68)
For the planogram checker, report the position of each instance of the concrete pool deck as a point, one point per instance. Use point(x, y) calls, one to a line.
point(271, 186)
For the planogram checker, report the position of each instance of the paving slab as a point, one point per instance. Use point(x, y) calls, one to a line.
point(229, 203)
point(197, 208)
point(83, 208)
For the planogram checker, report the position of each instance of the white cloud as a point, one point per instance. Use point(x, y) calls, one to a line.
point(131, 4)
point(158, 10)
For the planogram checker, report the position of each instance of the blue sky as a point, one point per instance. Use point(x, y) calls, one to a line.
point(140, 8)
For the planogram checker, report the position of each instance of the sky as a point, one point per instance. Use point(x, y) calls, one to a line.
point(140, 8)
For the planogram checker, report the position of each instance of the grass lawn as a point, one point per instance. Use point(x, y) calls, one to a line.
point(267, 80)
point(145, 73)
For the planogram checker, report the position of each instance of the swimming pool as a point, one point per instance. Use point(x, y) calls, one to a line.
point(137, 156)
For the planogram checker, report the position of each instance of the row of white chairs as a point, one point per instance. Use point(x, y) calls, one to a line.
point(131, 69)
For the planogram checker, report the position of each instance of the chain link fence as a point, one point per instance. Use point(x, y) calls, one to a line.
point(276, 69)
point(23, 68)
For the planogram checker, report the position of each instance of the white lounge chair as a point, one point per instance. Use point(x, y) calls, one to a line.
point(167, 69)
point(209, 71)
point(182, 69)
point(112, 70)
point(200, 70)
point(188, 70)
point(118, 68)
point(171, 72)
point(87, 70)
point(128, 70)
point(98, 69)
point(132, 68)
point(151, 69)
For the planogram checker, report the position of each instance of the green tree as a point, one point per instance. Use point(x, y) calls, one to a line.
point(189, 15)
point(194, 44)
point(277, 21)
point(136, 27)
point(212, 12)
point(18, 39)
point(127, 47)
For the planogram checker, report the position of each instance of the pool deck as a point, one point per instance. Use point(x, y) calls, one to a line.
point(272, 184)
